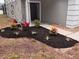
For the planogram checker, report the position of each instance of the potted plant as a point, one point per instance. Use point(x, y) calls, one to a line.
point(37, 23)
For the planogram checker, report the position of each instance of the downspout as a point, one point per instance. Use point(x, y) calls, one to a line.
point(28, 11)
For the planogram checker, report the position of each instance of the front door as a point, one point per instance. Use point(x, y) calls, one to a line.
point(35, 11)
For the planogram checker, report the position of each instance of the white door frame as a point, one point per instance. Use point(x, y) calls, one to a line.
point(29, 12)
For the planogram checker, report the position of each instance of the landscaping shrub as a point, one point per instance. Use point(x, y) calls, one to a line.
point(25, 24)
point(13, 24)
point(37, 23)
point(53, 31)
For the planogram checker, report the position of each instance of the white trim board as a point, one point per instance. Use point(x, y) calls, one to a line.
point(28, 10)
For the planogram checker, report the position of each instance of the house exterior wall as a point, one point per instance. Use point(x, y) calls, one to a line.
point(23, 7)
point(35, 0)
point(73, 14)
point(54, 11)
point(13, 8)
point(61, 12)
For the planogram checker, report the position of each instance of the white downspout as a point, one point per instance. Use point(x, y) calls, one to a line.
point(28, 11)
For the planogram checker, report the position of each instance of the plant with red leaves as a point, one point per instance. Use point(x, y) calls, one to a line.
point(25, 24)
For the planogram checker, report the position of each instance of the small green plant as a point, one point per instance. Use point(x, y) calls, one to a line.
point(47, 37)
point(34, 33)
point(16, 33)
point(37, 23)
point(20, 27)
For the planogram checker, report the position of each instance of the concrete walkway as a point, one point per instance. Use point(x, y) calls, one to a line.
point(64, 32)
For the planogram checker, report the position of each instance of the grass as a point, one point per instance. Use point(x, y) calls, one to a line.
point(27, 49)
point(4, 20)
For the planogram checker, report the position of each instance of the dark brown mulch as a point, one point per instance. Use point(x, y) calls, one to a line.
point(57, 41)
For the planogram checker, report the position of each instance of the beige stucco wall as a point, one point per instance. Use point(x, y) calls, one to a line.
point(62, 12)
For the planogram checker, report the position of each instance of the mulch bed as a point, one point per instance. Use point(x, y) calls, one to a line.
point(56, 41)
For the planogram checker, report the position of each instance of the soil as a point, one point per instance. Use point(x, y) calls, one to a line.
point(56, 41)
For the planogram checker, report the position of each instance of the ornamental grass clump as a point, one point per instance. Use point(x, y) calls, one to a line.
point(37, 23)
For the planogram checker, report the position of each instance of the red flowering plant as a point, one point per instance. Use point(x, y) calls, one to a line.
point(25, 24)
